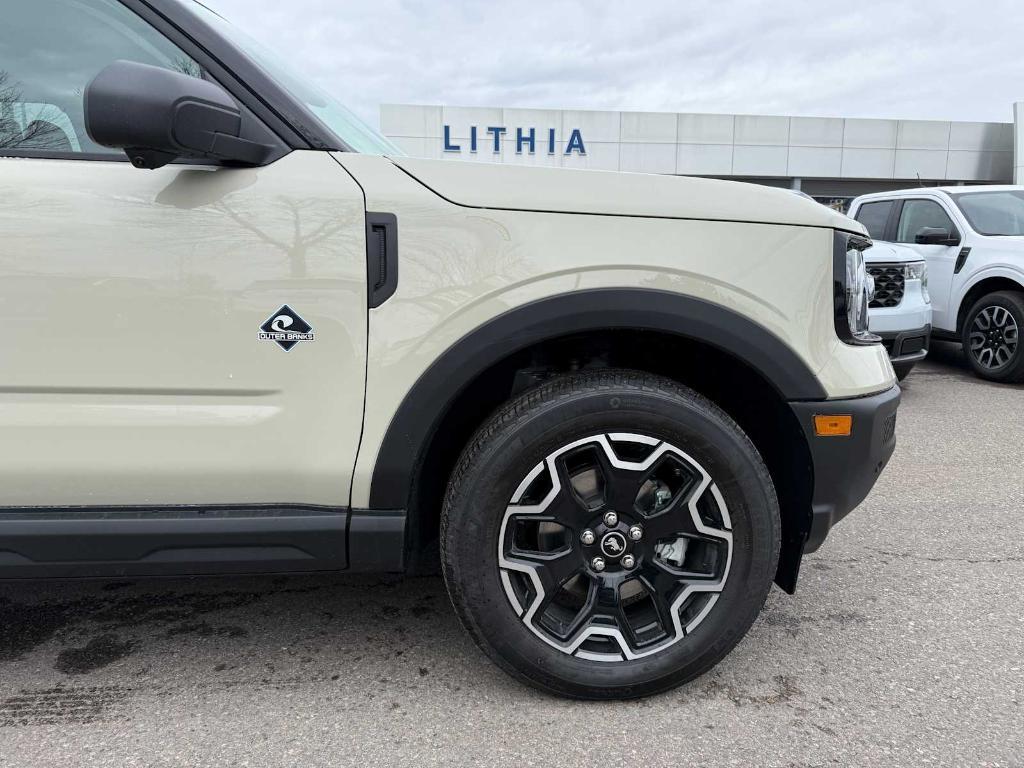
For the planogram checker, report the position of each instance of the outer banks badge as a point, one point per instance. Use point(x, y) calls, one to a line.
point(286, 328)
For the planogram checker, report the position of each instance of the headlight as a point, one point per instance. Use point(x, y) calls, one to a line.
point(858, 291)
point(853, 287)
point(918, 270)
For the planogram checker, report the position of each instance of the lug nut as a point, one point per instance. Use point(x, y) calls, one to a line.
point(597, 563)
point(611, 519)
point(636, 533)
point(628, 561)
point(587, 537)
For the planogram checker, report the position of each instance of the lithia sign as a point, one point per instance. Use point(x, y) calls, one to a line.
point(528, 140)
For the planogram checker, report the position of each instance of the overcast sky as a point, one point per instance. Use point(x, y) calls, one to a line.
point(928, 59)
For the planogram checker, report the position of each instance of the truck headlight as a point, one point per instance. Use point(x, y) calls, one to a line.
point(918, 270)
point(853, 287)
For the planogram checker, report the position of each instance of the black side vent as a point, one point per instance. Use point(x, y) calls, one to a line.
point(961, 259)
point(378, 255)
point(381, 257)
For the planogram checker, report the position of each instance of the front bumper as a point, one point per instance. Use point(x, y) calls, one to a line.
point(846, 468)
point(907, 346)
point(906, 328)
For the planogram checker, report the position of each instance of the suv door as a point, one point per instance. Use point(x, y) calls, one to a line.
point(143, 364)
point(914, 215)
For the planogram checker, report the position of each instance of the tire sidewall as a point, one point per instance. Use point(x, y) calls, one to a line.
point(691, 423)
point(1014, 369)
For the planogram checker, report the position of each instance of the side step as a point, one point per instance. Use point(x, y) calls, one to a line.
point(134, 541)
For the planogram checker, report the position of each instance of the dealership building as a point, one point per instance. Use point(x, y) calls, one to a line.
point(833, 159)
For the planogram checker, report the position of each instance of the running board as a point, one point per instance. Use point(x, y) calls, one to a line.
point(73, 542)
point(137, 541)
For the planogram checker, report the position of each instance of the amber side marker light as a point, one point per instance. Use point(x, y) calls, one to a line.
point(833, 426)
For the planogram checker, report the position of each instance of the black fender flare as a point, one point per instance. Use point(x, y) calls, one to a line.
point(599, 309)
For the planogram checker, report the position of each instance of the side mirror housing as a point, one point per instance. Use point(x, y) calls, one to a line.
point(936, 236)
point(156, 116)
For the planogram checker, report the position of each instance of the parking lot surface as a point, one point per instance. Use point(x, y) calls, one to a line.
point(903, 645)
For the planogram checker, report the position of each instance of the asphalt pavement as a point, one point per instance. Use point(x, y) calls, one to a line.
point(904, 645)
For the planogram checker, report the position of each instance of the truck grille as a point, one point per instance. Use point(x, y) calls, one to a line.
point(888, 284)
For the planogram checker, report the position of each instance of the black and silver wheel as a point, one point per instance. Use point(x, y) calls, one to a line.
point(609, 534)
point(991, 337)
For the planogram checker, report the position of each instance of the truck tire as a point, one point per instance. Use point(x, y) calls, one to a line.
point(609, 534)
point(992, 337)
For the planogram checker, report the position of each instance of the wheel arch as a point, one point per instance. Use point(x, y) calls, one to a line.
point(983, 284)
point(741, 363)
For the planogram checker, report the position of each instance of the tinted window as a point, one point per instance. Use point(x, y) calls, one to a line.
point(994, 213)
point(874, 217)
point(50, 50)
point(919, 214)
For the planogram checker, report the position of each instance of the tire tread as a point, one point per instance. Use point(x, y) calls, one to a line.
point(1015, 373)
point(523, 407)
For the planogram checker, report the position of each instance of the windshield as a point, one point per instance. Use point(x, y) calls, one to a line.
point(336, 116)
point(993, 213)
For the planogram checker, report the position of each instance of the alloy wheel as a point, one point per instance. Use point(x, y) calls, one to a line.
point(994, 337)
point(615, 547)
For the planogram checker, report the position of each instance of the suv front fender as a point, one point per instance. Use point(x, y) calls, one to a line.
point(425, 405)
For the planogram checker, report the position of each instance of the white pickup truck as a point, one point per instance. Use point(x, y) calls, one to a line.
point(972, 239)
point(900, 312)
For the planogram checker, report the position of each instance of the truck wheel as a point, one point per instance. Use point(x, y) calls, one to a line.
point(902, 370)
point(991, 337)
point(609, 534)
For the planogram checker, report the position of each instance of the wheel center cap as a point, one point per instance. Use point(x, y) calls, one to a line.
point(613, 544)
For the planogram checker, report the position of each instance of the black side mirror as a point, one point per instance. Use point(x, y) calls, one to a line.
point(936, 236)
point(156, 115)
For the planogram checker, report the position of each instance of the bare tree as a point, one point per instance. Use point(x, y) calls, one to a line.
point(42, 132)
point(186, 66)
point(10, 131)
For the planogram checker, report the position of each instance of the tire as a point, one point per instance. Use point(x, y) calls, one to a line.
point(903, 369)
point(697, 473)
point(991, 337)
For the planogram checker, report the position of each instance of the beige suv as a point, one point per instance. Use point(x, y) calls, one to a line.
point(245, 334)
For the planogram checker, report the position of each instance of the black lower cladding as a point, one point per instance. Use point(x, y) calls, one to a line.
point(138, 541)
point(73, 542)
point(846, 468)
point(907, 346)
